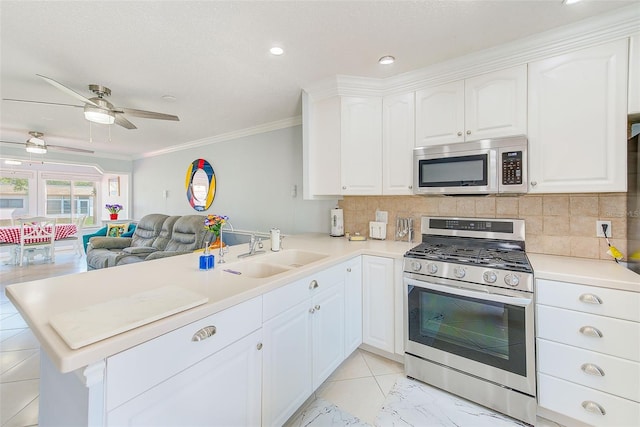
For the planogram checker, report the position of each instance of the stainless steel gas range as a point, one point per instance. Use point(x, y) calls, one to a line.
point(469, 326)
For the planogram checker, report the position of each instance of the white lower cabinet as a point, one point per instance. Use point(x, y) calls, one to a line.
point(378, 302)
point(304, 340)
point(588, 347)
point(353, 305)
point(222, 390)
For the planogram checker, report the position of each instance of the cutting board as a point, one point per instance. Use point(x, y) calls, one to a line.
point(93, 323)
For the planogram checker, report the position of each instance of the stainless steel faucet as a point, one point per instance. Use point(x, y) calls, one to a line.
point(253, 243)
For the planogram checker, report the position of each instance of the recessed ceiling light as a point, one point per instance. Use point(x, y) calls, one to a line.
point(12, 162)
point(386, 60)
point(570, 1)
point(170, 98)
point(276, 51)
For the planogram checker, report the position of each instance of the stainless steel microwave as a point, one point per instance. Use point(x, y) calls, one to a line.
point(487, 166)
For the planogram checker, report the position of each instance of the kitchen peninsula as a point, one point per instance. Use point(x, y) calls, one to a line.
point(235, 368)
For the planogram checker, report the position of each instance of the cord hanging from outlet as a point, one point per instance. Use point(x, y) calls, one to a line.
point(613, 251)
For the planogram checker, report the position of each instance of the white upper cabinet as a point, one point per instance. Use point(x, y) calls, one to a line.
point(398, 135)
point(487, 106)
point(361, 145)
point(634, 75)
point(577, 121)
point(496, 104)
point(440, 114)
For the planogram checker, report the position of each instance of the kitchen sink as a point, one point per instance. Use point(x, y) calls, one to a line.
point(293, 258)
point(256, 270)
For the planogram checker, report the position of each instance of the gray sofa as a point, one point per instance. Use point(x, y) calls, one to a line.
point(156, 236)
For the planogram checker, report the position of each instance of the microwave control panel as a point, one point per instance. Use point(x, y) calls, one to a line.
point(512, 168)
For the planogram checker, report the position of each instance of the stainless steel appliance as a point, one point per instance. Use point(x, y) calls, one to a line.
point(487, 166)
point(633, 198)
point(469, 313)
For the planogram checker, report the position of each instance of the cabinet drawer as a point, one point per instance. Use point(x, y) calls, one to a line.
point(282, 299)
point(568, 399)
point(589, 299)
point(135, 370)
point(619, 338)
point(620, 377)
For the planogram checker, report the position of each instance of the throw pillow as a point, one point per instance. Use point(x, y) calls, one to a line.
point(116, 230)
point(132, 229)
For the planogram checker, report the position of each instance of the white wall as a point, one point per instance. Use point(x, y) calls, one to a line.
point(255, 176)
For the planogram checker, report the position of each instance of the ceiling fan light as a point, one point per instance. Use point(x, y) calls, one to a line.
point(36, 146)
point(97, 115)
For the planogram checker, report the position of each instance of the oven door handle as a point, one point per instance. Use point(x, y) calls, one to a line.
point(520, 302)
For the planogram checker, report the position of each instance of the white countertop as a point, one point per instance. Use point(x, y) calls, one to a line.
point(38, 301)
point(594, 272)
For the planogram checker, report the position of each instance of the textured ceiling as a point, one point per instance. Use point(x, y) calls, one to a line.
point(212, 56)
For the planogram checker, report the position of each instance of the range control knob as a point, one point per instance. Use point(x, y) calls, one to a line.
point(432, 268)
point(459, 272)
point(416, 266)
point(511, 280)
point(490, 276)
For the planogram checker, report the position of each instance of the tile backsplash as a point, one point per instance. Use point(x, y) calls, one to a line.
point(557, 224)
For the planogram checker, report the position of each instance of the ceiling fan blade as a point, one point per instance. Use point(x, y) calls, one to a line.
point(147, 114)
point(120, 120)
point(63, 148)
point(67, 90)
point(41, 102)
point(12, 142)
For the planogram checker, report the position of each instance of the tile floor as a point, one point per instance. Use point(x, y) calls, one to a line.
point(359, 393)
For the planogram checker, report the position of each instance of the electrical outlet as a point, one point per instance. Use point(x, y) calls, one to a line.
point(599, 232)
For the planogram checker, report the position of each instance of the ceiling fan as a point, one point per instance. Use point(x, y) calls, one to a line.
point(37, 145)
point(98, 109)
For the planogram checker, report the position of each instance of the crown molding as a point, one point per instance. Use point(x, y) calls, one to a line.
point(266, 127)
point(618, 24)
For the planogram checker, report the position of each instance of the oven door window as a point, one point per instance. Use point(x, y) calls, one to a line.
point(488, 332)
point(462, 171)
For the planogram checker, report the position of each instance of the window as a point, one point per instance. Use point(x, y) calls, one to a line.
point(67, 199)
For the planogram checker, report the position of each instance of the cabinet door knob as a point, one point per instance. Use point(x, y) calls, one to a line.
point(204, 333)
point(459, 133)
point(468, 132)
point(590, 299)
point(348, 269)
point(590, 331)
point(593, 407)
point(534, 183)
point(259, 346)
point(313, 284)
point(317, 307)
point(344, 187)
point(591, 369)
point(312, 310)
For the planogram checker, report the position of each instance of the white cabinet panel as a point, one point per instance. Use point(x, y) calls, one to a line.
point(361, 145)
point(378, 302)
point(606, 373)
point(353, 305)
point(440, 114)
point(398, 138)
point(288, 364)
point(328, 332)
point(496, 104)
point(577, 121)
point(568, 398)
point(128, 377)
point(589, 299)
point(223, 389)
point(573, 328)
point(634, 74)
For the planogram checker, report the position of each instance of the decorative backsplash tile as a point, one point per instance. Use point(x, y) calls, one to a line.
point(558, 224)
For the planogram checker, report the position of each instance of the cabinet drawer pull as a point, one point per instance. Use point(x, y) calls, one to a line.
point(590, 299)
point(317, 307)
point(468, 132)
point(348, 269)
point(312, 310)
point(590, 331)
point(259, 346)
point(204, 333)
point(591, 369)
point(459, 133)
point(593, 407)
point(313, 284)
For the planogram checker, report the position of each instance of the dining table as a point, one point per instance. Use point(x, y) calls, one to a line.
point(11, 234)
